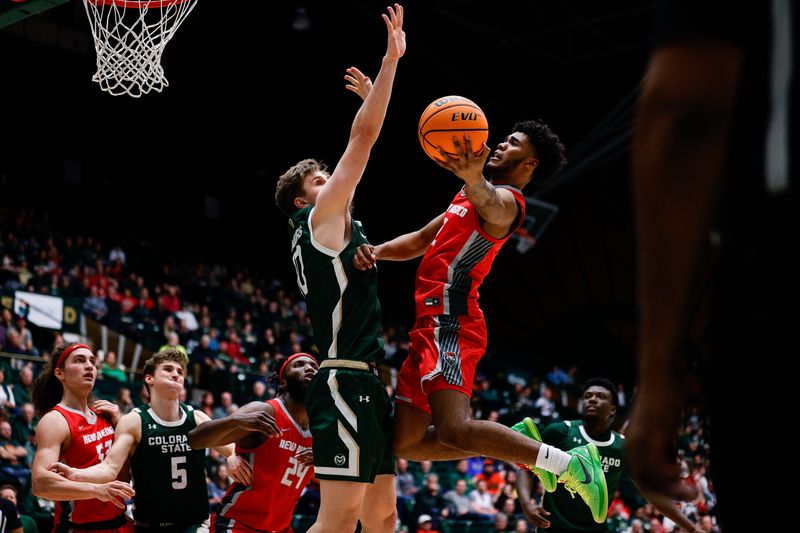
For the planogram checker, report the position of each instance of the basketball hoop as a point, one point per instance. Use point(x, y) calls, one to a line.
point(129, 38)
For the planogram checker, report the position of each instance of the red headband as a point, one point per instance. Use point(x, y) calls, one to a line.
point(290, 358)
point(68, 351)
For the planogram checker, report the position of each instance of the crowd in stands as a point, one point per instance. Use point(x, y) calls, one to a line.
point(236, 326)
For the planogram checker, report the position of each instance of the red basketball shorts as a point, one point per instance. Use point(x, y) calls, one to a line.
point(444, 353)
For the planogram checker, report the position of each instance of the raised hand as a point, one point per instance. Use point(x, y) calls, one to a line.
point(469, 164)
point(396, 45)
point(357, 82)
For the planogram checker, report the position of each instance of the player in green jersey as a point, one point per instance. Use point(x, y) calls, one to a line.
point(350, 414)
point(168, 475)
point(560, 512)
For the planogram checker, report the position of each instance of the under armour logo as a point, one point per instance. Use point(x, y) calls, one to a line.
point(363, 399)
point(151, 426)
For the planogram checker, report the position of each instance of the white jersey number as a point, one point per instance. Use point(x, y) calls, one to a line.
point(102, 449)
point(296, 470)
point(179, 480)
point(297, 261)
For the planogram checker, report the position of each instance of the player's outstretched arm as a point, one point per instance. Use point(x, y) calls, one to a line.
point(400, 248)
point(678, 152)
point(253, 417)
point(332, 205)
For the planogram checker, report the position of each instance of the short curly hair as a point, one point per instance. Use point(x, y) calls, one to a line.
point(549, 149)
point(290, 184)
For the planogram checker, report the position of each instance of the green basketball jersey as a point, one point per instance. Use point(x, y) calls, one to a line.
point(168, 475)
point(568, 513)
point(342, 301)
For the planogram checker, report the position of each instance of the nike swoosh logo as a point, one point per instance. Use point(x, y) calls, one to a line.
point(585, 473)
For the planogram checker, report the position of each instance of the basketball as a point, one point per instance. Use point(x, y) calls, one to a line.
point(451, 116)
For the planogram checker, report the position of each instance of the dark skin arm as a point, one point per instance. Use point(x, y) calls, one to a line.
point(248, 427)
point(680, 142)
point(534, 513)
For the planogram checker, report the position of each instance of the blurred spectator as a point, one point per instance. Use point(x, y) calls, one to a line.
point(117, 254)
point(425, 524)
point(24, 389)
point(111, 370)
point(24, 424)
point(217, 487)
point(557, 377)
point(5, 325)
point(622, 400)
point(128, 301)
point(13, 456)
point(202, 363)
point(429, 500)
point(25, 335)
point(458, 502)
point(481, 501)
point(7, 400)
point(494, 480)
point(124, 401)
point(545, 406)
point(500, 523)
point(259, 392)
point(404, 479)
point(95, 305)
point(170, 300)
point(28, 524)
point(173, 341)
point(461, 472)
point(14, 343)
point(521, 526)
point(207, 404)
point(226, 406)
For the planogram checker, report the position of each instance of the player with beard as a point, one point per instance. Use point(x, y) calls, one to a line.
point(449, 336)
point(559, 512)
point(282, 466)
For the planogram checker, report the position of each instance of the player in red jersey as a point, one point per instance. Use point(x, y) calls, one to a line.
point(282, 465)
point(449, 336)
point(72, 432)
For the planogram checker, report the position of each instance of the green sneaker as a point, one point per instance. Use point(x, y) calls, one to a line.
point(584, 475)
point(528, 428)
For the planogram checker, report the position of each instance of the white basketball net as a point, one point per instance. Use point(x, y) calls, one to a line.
point(129, 38)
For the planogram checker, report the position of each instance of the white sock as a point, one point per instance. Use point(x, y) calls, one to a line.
point(552, 459)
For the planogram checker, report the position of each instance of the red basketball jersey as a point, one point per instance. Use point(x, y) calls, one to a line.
point(278, 480)
point(458, 259)
point(90, 438)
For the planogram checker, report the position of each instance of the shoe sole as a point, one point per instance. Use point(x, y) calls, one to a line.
point(595, 455)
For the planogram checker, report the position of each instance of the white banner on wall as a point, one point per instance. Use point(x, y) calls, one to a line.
point(40, 309)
